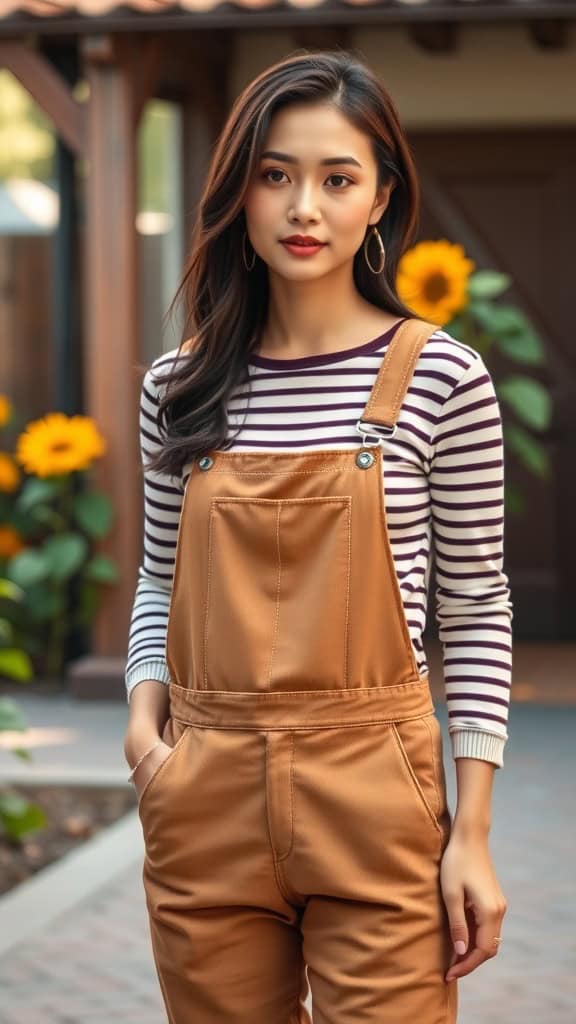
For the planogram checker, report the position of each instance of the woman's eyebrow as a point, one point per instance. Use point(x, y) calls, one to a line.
point(286, 158)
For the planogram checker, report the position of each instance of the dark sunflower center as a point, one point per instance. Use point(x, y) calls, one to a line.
point(436, 287)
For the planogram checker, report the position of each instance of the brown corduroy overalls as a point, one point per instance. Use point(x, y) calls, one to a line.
point(301, 816)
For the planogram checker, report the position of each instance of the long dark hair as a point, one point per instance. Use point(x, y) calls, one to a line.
point(225, 306)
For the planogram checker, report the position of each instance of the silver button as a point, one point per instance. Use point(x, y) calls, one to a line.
point(364, 460)
point(205, 462)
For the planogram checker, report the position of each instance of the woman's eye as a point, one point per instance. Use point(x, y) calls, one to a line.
point(275, 170)
point(342, 178)
point(271, 170)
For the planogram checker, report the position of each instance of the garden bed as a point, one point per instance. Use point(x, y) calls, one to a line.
point(75, 813)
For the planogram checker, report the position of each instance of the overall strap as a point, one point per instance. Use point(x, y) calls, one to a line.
point(394, 376)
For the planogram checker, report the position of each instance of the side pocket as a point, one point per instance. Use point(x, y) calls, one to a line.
point(178, 732)
point(419, 742)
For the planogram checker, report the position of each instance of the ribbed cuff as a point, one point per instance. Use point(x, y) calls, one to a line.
point(486, 746)
point(153, 669)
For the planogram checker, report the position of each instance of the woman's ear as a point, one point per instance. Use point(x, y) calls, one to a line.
point(381, 201)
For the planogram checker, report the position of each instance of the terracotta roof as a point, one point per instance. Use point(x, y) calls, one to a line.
point(103, 8)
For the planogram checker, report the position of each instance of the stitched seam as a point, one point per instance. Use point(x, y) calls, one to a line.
point(293, 472)
point(321, 454)
point(402, 687)
point(393, 575)
point(413, 778)
point(291, 776)
point(342, 498)
point(283, 892)
point(435, 766)
point(347, 613)
point(407, 371)
point(381, 376)
point(291, 726)
point(278, 583)
point(383, 369)
point(163, 763)
point(208, 594)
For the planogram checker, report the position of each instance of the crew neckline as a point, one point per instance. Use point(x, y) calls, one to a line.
point(321, 358)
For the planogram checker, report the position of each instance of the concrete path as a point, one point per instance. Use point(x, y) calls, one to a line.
point(91, 963)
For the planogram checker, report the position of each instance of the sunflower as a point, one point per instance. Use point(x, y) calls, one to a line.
point(432, 280)
point(10, 542)
point(5, 410)
point(59, 444)
point(9, 474)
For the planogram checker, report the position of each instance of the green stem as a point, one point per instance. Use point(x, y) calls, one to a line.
point(59, 624)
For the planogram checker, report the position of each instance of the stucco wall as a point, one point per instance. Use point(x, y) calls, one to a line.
point(497, 75)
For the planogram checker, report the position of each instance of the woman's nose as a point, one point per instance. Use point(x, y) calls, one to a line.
point(305, 204)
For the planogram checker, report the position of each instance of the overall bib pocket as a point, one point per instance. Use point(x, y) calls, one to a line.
point(277, 593)
point(419, 744)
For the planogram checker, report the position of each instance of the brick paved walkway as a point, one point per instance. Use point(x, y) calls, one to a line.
point(94, 966)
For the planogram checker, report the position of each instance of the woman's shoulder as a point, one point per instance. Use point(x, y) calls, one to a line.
point(446, 359)
point(163, 364)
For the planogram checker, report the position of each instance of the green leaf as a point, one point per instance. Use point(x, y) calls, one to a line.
point(529, 400)
point(93, 512)
point(28, 567)
point(523, 347)
point(486, 284)
point(22, 752)
point(36, 491)
point(65, 553)
point(101, 569)
point(20, 816)
point(88, 604)
point(45, 602)
point(11, 717)
point(530, 452)
point(15, 663)
point(6, 632)
point(11, 591)
point(514, 503)
point(46, 516)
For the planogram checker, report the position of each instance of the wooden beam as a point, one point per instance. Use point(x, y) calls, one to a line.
point(199, 68)
point(49, 89)
point(435, 37)
point(143, 63)
point(111, 335)
point(549, 33)
point(323, 37)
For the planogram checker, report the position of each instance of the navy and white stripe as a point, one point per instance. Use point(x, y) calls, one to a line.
point(444, 490)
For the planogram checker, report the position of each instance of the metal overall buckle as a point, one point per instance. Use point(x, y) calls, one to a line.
point(376, 430)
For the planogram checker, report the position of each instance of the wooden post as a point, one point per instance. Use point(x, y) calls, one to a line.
point(111, 381)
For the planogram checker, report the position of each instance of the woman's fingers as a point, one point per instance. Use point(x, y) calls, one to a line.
point(482, 945)
point(145, 770)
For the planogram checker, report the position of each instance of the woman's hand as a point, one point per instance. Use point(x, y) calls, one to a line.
point(136, 742)
point(474, 901)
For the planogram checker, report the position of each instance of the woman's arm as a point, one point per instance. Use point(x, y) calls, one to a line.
point(473, 814)
point(147, 673)
point(473, 603)
point(474, 612)
point(472, 895)
point(149, 709)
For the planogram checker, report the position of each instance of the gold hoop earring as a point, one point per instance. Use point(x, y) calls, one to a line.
point(381, 249)
point(244, 254)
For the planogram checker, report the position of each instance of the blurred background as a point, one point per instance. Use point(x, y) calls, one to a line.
point(106, 122)
point(107, 118)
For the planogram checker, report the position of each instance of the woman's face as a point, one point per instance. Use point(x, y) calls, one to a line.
point(319, 179)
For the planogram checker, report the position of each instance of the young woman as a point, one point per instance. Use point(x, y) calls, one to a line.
point(301, 450)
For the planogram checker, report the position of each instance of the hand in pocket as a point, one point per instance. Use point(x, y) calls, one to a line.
point(147, 768)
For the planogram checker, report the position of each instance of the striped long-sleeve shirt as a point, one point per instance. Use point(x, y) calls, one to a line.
point(444, 491)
